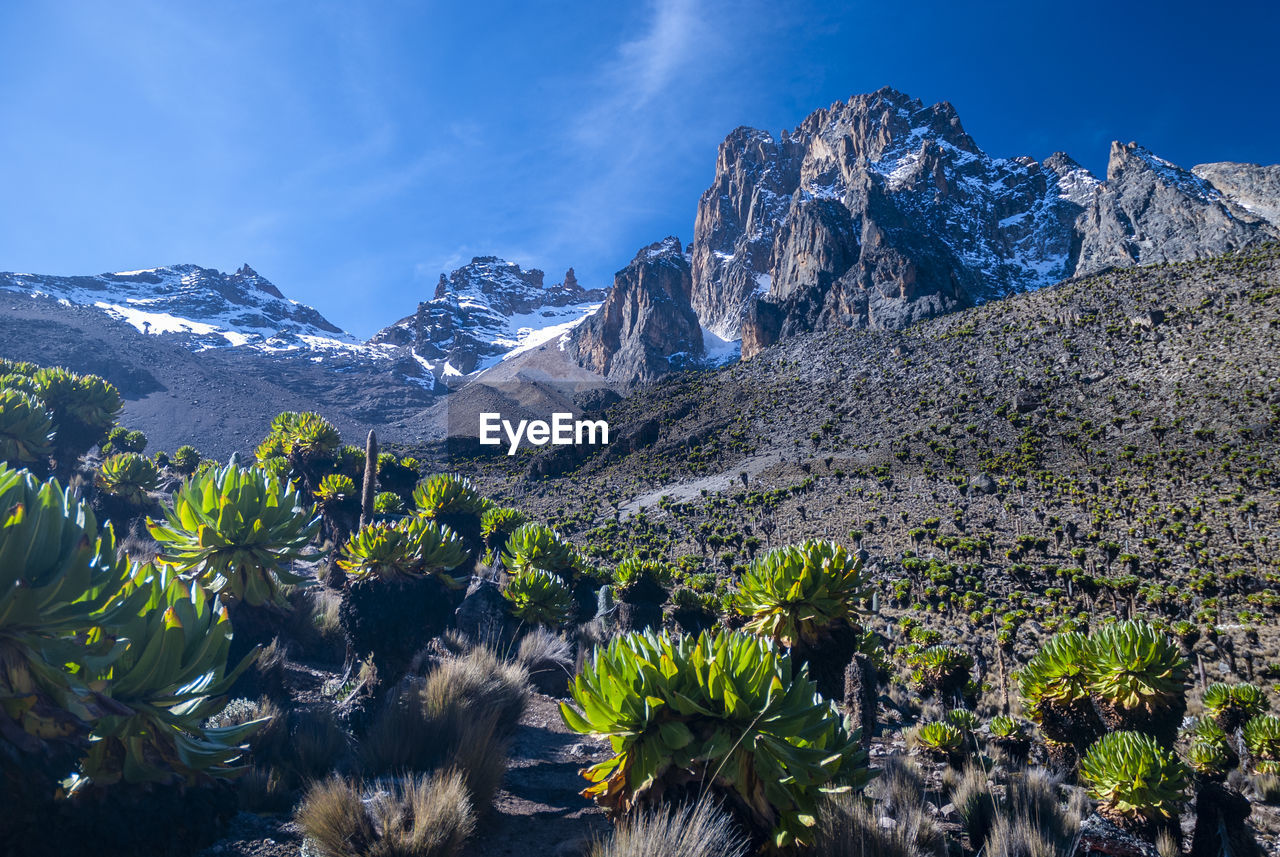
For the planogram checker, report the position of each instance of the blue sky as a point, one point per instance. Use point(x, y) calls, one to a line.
point(351, 152)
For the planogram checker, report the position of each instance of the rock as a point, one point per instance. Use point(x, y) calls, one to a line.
point(1024, 402)
point(983, 484)
point(646, 327)
point(482, 615)
point(1100, 837)
point(1151, 211)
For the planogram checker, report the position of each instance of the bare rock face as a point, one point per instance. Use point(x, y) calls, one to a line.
point(879, 212)
point(646, 327)
point(1254, 188)
point(1151, 211)
point(876, 212)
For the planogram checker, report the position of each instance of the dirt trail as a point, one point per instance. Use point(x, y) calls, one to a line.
point(539, 810)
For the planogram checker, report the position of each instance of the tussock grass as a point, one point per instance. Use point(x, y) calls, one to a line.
point(697, 830)
point(460, 716)
point(1034, 821)
point(850, 826)
point(418, 816)
point(974, 803)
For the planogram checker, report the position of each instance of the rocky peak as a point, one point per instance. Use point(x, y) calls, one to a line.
point(646, 327)
point(880, 211)
point(485, 309)
point(1151, 211)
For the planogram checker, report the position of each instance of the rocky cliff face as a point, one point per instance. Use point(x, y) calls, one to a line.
point(879, 211)
point(646, 327)
point(1150, 211)
point(485, 310)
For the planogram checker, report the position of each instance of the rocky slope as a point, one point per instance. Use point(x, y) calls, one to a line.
point(879, 211)
point(484, 311)
point(646, 327)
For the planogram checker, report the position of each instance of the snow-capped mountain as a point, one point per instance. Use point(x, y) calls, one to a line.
point(881, 211)
point(202, 309)
point(488, 310)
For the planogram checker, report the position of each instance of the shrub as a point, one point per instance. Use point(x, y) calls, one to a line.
point(236, 530)
point(409, 548)
point(1055, 690)
point(939, 739)
point(943, 670)
point(304, 438)
point(642, 578)
point(83, 408)
point(387, 503)
point(336, 488)
point(168, 679)
point(697, 830)
point(535, 546)
point(448, 494)
point(26, 430)
point(725, 711)
point(539, 598)
point(963, 719)
point(186, 459)
point(1137, 783)
point(1231, 706)
point(128, 476)
point(1134, 665)
point(59, 578)
point(417, 816)
point(799, 594)
point(497, 524)
point(1262, 738)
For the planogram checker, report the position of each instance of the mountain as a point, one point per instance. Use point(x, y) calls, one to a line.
point(207, 358)
point(879, 211)
point(646, 327)
point(486, 310)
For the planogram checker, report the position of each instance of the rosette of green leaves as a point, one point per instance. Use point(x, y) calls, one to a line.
point(168, 679)
point(726, 710)
point(1262, 737)
point(939, 738)
point(1134, 666)
point(1232, 705)
point(1209, 752)
point(236, 530)
point(59, 577)
point(498, 523)
point(445, 494)
point(1006, 727)
point(128, 476)
point(387, 503)
point(83, 407)
point(335, 488)
point(535, 546)
point(1136, 782)
point(26, 429)
point(800, 593)
point(635, 574)
point(186, 459)
point(539, 598)
point(1056, 677)
point(942, 669)
point(409, 548)
point(303, 437)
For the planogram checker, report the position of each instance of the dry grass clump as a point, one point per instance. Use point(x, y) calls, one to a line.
point(419, 816)
point(894, 824)
point(974, 803)
point(541, 651)
point(1034, 821)
point(461, 716)
point(698, 830)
